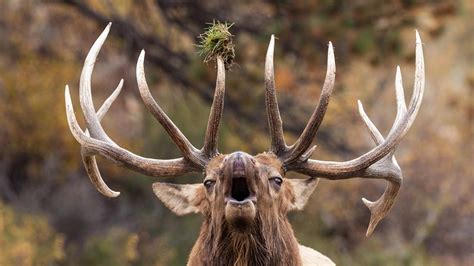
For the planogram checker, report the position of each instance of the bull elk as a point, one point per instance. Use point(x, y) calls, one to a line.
point(244, 199)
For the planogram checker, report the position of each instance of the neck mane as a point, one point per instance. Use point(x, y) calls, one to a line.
point(266, 242)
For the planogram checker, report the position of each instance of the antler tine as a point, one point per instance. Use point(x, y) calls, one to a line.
point(89, 161)
point(401, 111)
point(108, 102)
point(93, 172)
point(278, 145)
point(400, 96)
point(306, 138)
point(217, 108)
point(419, 83)
point(187, 149)
point(85, 95)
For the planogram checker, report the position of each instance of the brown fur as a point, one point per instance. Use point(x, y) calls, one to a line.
point(268, 242)
point(266, 239)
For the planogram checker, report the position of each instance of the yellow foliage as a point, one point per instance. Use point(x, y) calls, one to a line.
point(28, 239)
point(131, 247)
point(32, 110)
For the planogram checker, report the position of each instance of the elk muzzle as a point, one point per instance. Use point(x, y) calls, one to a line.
point(240, 200)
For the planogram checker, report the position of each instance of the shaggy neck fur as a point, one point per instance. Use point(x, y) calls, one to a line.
point(266, 242)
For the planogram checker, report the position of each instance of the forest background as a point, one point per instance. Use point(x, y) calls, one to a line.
point(50, 214)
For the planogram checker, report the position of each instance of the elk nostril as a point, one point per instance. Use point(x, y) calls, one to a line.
point(240, 190)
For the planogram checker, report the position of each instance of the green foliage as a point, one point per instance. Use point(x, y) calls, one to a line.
point(364, 41)
point(215, 42)
point(374, 252)
point(117, 247)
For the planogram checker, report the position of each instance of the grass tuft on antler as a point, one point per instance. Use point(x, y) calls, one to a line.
point(217, 41)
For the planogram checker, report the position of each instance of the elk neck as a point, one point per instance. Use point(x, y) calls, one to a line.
point(269, 241)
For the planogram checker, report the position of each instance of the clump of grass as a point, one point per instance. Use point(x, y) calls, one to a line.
point(217, 41)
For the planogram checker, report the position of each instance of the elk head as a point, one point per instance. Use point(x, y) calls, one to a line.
point(237, 189)
point(243, 194)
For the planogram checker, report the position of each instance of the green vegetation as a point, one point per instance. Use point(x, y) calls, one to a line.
point(215, 42)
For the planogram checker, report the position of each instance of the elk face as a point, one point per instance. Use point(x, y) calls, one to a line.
point(237, 189)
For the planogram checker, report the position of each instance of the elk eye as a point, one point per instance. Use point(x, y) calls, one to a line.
point(208, 183)
point(276, 180)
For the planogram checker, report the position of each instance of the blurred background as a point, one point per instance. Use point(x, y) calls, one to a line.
point(50, 214)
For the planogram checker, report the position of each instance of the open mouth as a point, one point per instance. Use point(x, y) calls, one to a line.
point(240, 190)
point(240, 200)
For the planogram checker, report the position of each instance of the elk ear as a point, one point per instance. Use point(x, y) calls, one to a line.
point(181, 199)
point(302, 190)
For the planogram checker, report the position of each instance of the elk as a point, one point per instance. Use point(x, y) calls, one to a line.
point(245, 199)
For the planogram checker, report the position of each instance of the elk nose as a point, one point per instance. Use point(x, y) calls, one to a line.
point(238, 168)
point(238, 165)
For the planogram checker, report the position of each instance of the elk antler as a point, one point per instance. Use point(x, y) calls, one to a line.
point(378, 163)
point(94, 141)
